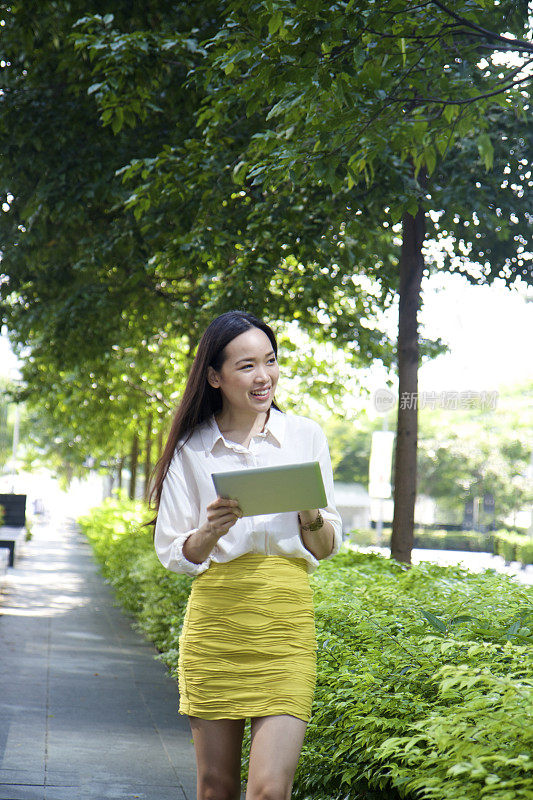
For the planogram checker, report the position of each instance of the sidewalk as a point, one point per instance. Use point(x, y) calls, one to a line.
point(86, 712)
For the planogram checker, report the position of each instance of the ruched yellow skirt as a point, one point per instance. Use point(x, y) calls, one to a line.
point(248, 644)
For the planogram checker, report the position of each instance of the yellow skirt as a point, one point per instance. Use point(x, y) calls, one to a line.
point(248, 644)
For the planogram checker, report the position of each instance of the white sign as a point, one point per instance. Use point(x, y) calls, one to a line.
point(379, 473)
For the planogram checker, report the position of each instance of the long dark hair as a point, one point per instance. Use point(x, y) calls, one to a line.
point(200, 400)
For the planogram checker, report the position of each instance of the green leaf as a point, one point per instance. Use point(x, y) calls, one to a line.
point(450, 112)
point(402, 47)
point(396, 212)
point(275, 22)
point(431, 159)
point(412, 206)
point(239, 172)
point(118, 120)
point(514, 628)
point(486, 150)
point(434, 621)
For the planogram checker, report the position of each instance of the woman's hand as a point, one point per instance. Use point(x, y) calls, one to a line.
point(222, 514)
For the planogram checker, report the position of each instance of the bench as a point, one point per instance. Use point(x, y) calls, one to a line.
point(4, 562)
point(13, 531)
point(11, 538)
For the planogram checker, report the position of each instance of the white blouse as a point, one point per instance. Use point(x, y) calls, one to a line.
point(188, 489)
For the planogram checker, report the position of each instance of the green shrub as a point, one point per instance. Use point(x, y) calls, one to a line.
point(472, 541)
point(424, 683)
point(511, 545)
point(506, 547)
point(514, 547)
point(524, 552)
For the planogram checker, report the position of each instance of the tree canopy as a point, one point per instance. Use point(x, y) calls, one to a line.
point(164, 162)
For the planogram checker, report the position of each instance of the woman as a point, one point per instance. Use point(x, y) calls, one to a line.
point(247, 648)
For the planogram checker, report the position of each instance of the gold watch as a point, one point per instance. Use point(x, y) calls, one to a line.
point(313, 526)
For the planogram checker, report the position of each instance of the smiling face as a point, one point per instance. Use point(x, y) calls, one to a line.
point(249, 374)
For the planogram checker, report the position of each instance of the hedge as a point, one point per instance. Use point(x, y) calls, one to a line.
point(424, 687)
point(432, 540)
point(512, 546)
point(455, 540)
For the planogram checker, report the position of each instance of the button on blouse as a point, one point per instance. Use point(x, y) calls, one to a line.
point(188, 489)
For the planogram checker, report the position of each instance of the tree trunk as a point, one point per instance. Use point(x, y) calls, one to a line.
point(159, 441)
point(134, 456)
point(119, 472)
point(411, 266)
point(147, 457)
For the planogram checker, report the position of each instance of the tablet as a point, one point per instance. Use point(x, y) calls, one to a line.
point(272, 490)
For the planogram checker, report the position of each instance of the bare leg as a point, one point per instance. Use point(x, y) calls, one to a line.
point(276, 745)
point(218, 744)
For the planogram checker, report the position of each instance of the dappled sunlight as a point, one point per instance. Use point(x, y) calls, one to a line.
point(41, 584)
point(31, 595)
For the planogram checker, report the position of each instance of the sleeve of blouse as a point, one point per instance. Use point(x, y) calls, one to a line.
point(177, 518)
point(330, 513)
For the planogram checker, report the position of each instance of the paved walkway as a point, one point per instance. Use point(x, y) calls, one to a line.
point(86, 712)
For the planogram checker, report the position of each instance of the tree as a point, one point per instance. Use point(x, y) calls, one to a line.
point(79, 263)
point(99, 415)
point(74, 260)
point(84, 251)
point(302, 131)
point(371, 90)
point(394, 92)
point(87, 277)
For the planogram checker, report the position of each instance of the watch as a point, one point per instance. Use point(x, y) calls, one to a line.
point(313, 526)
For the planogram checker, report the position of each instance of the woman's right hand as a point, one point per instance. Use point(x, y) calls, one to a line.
point(222, 514)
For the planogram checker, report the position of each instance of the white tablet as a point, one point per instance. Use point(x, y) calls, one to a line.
point(271, 490)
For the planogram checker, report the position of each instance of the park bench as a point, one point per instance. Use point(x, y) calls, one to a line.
point(11, 540)
point(13, 531)
point(4, 562)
